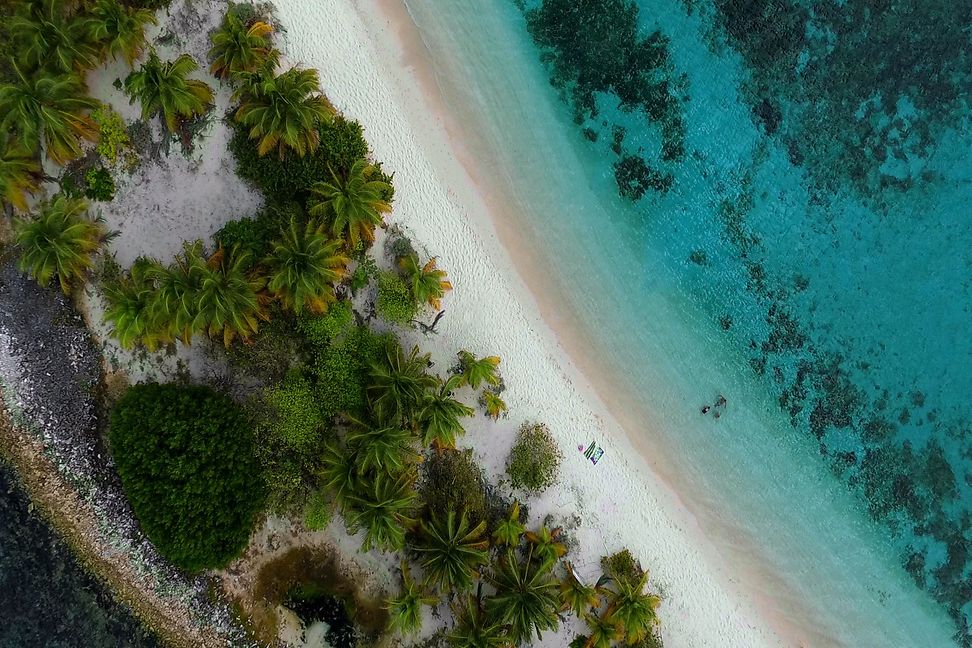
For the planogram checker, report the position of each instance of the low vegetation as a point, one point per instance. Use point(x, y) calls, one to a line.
point(535, 458)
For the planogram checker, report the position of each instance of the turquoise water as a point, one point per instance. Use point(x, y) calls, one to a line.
point(767, 201)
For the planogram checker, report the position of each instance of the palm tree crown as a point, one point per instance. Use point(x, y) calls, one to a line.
point(452, 550)
point(19, 175)
point(526, 596)
point(52, 106)
point(577, 596)
point(427, 282)
point(239, 46)
point(509, 530)
point(632, 609)
point(476, 371)
point(163, 87)
point(382, 448)
point(227, 301)
point(405, 610)
point(398, 383)
point(476, 628)
point(303, 264)
point(353, 203)
point(130, 308)
point(47, 37)
point(282, 112)
point(382, 507)
point(439, 414)
point(59, 241)
point(120, 30)
point(545, 544)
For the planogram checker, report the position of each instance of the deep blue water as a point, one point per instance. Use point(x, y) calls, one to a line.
point(773, 199)
point(46, 598)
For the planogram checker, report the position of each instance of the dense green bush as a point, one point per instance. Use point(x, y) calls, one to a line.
point(254, 235)
point(186, 460)
point(534, 459)
point(453, 481)
point(622, 566)
point(318, 511)
point(100, 184)
point(394, 302)
point(112, 133)
point(342, 369)
point(294, 417)
point(320, 330)
point(341, 143)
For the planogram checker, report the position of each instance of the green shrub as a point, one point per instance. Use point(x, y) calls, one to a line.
point(365, 270)
point(622, 566)
point(254, 235)
point(341, 371)
point(318, 511)
point(319, 330)
point(186, 460)
point(534, 459)
point(341, 144)
point(113, 133)
point(294, 417)
point(453, 481)
point(101, 186)
point(394, 302)
point(272, 351)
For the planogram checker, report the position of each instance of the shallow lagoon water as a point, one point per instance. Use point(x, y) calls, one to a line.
point(808, 261)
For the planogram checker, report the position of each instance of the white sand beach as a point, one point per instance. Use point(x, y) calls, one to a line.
point(371, 71)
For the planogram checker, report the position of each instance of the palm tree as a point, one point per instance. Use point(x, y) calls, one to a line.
point(576, 596)
point(120, 30)
point(228, 300)
point(438, 415)
point(478, 371)
point(382, 448)
point(604, 632)
point(339, 473)
point(475, 628)
point(382, 508)
point(52, 106)
point(495, 405)
point(405, 610)
point(59, 241)
point(20, 175)
point(398, 383)
point(509, 530)
point(130, 308)
point(451, 550)
point(526, 596)
point(632, 609)
point(354, 203)
point(282, 112)
point(45, 36)
point(428, 283)
point(174, 307)
point(303, 265)
point(545, 544)
point(163, 88)
point(239, 46)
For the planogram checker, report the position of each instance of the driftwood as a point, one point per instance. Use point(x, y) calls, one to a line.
point(430, 328)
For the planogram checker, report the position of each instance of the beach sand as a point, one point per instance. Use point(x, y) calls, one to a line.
point(373, 69)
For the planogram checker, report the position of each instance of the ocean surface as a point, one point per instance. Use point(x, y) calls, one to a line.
point(768, 202)
point(47, 600)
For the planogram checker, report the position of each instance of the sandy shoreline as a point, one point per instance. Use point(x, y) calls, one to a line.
point(440, 204)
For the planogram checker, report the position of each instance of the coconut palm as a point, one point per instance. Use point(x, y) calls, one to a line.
point(632, 609)
point(509, 530)
point(476, 371)
point(398, 382)
point(382, 448)
point(20, 174)
point(439, 413)
point(130, 308)
point(354, 203)
point(54, 107)
point(405, 610)
point(174, 307)
point(382, 508)
point(228, 300)
point(545, 544)
point(46, 36)
point(118, 29)
point(283, 112)
point(495, 406)
point(59, 241)
point(303, 265)
point(427, 282)
point(339, 473)
point(576, 596)
point(239, 46)
point(526, 596)
point(163, 88)
point(475, 628)
point(604, 632)
point(452, 550)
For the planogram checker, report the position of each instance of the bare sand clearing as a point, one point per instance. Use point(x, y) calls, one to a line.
point(370, 70)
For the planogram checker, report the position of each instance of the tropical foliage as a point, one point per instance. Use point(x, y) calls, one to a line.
point(577, 596)
point(282, 112)
point(439, 413)
point(534, 459)
point(427, 282)
point(476, 628)
point(405, 610)
point(545, 544)
point(164, 88)
point(19, 176)
point(399, 382)
point(632, 609)
point(54, 107)
point(47, 36)
point(383, 509)
point(303, 266)
point(476, 371)
point(451, 550)
point(240, 45)
point(59, 241)
point(495, 406)
point(526, 596)
point(118, 29)
point(353, 203)
point(509, 530)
